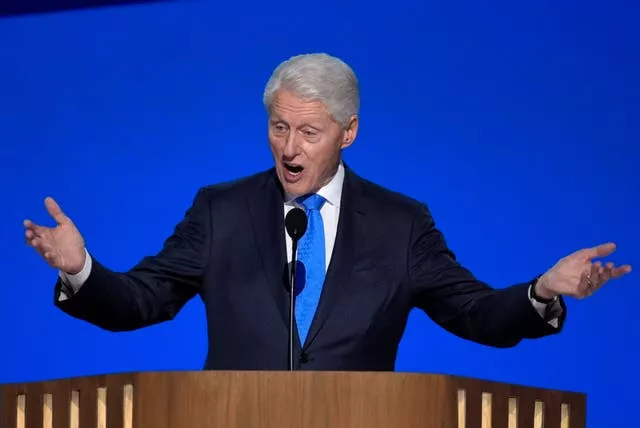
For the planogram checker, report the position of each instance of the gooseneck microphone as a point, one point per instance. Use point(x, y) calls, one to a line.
point(296, 224)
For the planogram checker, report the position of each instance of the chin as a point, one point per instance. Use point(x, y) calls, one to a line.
point(296, 189)
point(296, 186)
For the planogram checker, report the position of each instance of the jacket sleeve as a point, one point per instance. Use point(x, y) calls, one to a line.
point(156, 288)
point(463, 305)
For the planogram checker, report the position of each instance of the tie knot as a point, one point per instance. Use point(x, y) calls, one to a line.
point(312, 202)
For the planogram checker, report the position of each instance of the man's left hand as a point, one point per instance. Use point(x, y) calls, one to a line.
point(577, 275)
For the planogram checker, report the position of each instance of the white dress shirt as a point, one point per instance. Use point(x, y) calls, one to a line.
point(330, 212)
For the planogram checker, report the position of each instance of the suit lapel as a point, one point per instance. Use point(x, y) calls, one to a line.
point(348, 235)
point(266, 210)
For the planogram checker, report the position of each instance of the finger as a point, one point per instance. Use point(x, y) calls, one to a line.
point(584, 287)
point(40, 245)
point(604, 274)
point(598, 271)
point(597, 278)
point(620, 270)
point(31, 236)
point(35, 243)
point(32, 242)
point(55, 211)
point(37, 229)
point(35, 233)
point(590, 280)
point(595, 275)
point(51, 257)
point(598, 251)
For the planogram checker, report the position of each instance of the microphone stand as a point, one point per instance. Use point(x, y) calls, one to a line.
point(296, 225)
point(292, 301)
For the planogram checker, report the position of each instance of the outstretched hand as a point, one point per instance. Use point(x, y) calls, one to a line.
point(578, 275)
point(62, 246)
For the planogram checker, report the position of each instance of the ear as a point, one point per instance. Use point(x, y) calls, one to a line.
point(350, 132)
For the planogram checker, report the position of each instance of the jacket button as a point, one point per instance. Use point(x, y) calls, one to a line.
point(304, 358)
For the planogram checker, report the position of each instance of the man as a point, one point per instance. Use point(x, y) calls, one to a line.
point(368, 257)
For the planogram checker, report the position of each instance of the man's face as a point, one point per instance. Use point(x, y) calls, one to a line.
point(305, 142)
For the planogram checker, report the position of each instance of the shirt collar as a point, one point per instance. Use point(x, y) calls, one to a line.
point(331, 192)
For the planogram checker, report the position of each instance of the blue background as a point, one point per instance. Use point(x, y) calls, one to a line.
point(517, 125)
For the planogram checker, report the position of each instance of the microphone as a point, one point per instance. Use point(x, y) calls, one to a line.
point(296, 224)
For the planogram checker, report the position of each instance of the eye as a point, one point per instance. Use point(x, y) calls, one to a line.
point(280, 128)
point(310, 133)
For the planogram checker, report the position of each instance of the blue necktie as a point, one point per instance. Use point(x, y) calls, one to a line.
point(310, 269)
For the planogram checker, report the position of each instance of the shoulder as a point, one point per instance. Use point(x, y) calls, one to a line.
point(394, 217)
point(396, 214)
point(390, 202)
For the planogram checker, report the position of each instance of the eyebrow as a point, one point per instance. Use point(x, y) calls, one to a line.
point(317, 127)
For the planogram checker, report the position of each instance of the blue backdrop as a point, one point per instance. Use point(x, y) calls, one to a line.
point(516, 124)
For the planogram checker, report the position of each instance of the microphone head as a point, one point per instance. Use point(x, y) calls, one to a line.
point(296, 223)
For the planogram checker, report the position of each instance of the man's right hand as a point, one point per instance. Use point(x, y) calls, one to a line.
point(62, 246)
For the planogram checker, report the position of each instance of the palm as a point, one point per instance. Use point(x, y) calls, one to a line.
point(61, 246)
point(579, 276)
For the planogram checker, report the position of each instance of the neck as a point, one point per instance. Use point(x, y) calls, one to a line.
point(334, 171)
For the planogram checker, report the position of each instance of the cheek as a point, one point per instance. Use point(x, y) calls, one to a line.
point(275, 144)
point(319, 161)
point(323, 154)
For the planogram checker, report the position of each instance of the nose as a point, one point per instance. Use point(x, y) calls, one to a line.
point(291, 146)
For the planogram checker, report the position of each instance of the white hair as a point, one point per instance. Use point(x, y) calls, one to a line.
point(318, 77)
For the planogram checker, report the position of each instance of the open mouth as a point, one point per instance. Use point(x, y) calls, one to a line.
point(293, 168)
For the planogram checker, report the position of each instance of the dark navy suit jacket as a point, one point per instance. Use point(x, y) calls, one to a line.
point(230, 250)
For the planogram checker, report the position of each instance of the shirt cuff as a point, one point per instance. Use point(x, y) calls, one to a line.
point(550, 312)
point(71, 283)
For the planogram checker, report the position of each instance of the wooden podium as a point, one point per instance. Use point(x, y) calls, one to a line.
point(283, 399)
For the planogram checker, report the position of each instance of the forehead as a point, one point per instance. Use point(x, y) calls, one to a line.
point(287, 106)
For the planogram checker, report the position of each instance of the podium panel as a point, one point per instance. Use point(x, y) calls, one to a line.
point(207, 399)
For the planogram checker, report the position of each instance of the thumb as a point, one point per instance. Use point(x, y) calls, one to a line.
point(55, 211)
point(598, 251)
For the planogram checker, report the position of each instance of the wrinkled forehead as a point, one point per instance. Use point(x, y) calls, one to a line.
point(292, 109)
